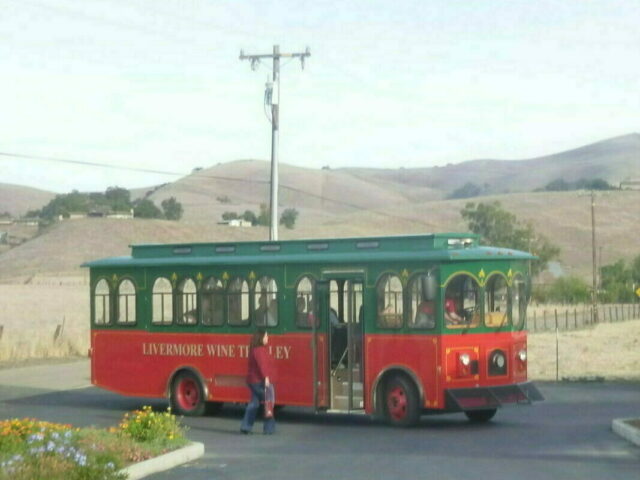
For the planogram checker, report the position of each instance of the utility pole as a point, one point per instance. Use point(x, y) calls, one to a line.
point(273, 101)
point(594, 286)
point(594, 294)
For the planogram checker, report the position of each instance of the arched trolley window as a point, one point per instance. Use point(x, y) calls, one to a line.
point(519, 301)
point(496, 302)
point(102, 303)
point(422, 301)
point(126, 302)
point(390, 304)
point(266, 302)
point(212, 302)
point(162, 302)
point(238, 302)
point(461, 307)
point(306, 307)
point(186, 302)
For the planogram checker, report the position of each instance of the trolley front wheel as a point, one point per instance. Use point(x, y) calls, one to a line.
point(480, 416)
point(187, 395)
point(401, 402)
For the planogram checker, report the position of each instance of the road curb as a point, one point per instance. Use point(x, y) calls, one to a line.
point(625, 430)
point(164, 462)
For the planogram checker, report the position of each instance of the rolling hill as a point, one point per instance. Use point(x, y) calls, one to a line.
point(18, 200)
point(564, 217)
point(357, 202)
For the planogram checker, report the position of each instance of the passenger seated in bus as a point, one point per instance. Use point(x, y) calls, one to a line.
point(304, 315)
point(425, 315)
point(272, 313)
point(190, 317)
point(450, 312)
point(260, 313)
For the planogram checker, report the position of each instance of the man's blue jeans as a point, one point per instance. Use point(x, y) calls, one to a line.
point(257, 397)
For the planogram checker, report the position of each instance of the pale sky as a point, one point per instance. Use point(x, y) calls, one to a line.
point(158, 83)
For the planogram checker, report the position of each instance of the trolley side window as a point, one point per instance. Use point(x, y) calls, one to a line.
point(461, 307)
point(212, 303)
point(238, 302)
point(422, 302)
point(390, 305)
point(496, 302)
point(126, 302)
point(186, 303)
point(306, 313)
point(101, 303)
point(162, 302)
point(519, 302)
point(266, 303)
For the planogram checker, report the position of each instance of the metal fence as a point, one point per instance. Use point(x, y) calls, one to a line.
point(541, 319)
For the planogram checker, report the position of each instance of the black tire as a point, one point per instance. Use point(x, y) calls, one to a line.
point(481, 416)
point(187, 395)
point(400, 402)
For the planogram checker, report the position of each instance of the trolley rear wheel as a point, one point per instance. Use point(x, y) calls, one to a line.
point(401, 400)
point(187, 395)
point(481, 416)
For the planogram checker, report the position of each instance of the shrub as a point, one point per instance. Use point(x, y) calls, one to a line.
point(36, 450)
point(146, 425)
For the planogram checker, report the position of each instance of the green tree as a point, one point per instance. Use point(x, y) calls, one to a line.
point(119, 199)
point(468, 190)
point(500, 228)
point(617, 282)
point(249, 216)
point(569, 289)
point(172, 208)
point(226, 216)
point(558, 185)
point(593, 184)
point(264, 217)
point(146, 209)
point(289, 217)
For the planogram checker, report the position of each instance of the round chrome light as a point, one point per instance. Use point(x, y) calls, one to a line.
point(465, 359)
point(498, 359)
point(522, 355)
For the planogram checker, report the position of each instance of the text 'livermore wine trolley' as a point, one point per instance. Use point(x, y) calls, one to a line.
point(390, 326)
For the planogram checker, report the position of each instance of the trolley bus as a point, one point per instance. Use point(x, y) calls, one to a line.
point(395, 326)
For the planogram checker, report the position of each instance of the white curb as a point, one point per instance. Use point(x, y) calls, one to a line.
point(622, 428)
point(164, 462)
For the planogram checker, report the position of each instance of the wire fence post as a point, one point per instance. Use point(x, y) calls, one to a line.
point(557, 348)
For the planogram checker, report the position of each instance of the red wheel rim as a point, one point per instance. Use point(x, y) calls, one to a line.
point(188, 394)
point(397, 403)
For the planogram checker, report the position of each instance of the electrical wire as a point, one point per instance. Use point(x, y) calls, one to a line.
point(206, 176)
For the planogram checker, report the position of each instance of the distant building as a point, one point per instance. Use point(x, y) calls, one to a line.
point(3, 237)
point(122, 215)
point(34, 222)
point(630, 184)
point(236, 222)
point(6, 221)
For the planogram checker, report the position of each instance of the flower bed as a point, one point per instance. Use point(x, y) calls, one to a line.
point(31, 449)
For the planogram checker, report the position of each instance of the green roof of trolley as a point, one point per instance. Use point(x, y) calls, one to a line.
point(434, 247)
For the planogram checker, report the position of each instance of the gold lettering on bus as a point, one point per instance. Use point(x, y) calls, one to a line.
point(279, 352)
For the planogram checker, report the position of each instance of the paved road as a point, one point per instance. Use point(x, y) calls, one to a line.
point(566, 437)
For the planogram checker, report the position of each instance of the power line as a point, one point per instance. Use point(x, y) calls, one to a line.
point(206, 176)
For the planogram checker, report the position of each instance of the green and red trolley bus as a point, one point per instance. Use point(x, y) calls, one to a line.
point(390, 326)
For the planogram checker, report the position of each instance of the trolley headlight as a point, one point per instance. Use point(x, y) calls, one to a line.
point(497, 363)
point(465, 359)
point(522, 355)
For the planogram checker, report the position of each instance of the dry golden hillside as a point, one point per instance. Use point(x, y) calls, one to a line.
point(17, 200)
point(565, 218)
